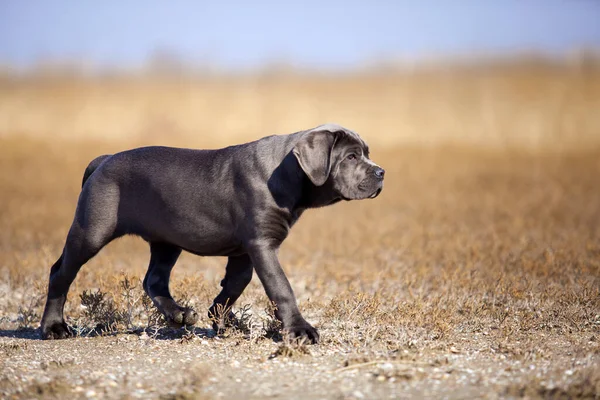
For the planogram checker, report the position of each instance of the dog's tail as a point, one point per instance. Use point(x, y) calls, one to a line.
point(92, 167)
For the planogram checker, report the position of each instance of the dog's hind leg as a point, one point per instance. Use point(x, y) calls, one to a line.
point(156, 284)
point(93, 228)
point(78, 250)
point(238, 275)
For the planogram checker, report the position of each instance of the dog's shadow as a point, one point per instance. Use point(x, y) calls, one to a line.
point(183, 334)
point(23, 333)
point(163, 333)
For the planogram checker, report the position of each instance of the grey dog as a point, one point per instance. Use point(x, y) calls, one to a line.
point(239, 202)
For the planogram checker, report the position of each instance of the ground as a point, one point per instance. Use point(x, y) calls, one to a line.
point(476, 273)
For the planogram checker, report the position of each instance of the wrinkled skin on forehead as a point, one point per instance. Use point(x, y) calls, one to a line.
point(352, 170)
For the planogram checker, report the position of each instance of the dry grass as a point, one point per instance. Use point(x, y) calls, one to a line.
point(517, 104)
point(473, 259)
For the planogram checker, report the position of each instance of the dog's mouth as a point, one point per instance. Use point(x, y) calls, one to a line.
point(375, 193)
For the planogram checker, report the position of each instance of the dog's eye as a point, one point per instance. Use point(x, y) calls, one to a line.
point(351, 157)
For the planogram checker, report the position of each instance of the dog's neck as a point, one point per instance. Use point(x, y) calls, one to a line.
point(299, 193)
point(318, 196)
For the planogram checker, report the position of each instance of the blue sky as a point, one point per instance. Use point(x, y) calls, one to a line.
point(311, 33)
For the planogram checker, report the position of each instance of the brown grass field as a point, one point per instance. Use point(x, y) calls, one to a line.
point(475, 274)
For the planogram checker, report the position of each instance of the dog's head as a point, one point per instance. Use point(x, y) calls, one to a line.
point(337, 157)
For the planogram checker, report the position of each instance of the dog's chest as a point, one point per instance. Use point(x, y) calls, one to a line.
point(275, 223)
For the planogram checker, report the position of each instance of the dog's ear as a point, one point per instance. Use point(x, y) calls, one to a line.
point(313, 152)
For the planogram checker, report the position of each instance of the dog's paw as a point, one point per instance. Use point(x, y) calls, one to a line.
point(302, 329)
point(184, 316)
point(56, 330)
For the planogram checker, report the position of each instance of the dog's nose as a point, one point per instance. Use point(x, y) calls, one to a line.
point(379, 172)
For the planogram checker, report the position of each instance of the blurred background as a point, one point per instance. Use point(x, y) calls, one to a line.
point(484, 242)
point(475, 73)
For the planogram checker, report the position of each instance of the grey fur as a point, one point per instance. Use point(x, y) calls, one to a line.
point(238, 202)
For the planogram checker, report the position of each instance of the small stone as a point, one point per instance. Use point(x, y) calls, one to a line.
point(387, 366)
point(90, 393)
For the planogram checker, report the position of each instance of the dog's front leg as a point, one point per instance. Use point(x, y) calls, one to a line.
point(279, 291)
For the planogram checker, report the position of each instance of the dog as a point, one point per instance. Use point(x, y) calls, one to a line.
point(239, 202)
